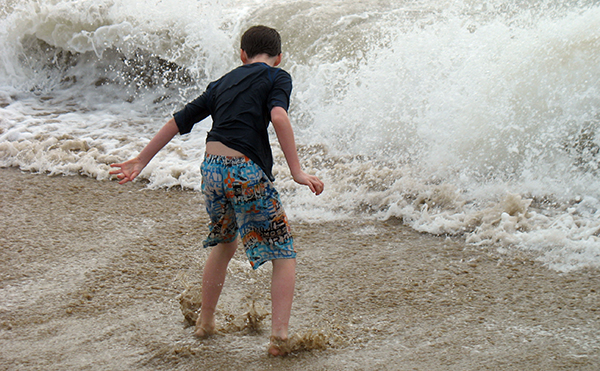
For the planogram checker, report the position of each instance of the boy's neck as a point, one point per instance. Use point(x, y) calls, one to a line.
point(262, 58)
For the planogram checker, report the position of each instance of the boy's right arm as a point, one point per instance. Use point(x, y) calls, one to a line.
point(129, 170)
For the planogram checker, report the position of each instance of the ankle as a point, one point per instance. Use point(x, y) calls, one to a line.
point(279, 332)
point(279, 346)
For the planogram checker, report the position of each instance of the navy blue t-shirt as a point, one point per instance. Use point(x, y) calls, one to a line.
point(240, 104)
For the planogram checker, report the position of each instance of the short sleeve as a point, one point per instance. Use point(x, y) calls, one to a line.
point(193, 112)
point(281, 91)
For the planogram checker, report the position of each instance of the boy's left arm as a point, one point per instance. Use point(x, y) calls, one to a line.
point(285, 135)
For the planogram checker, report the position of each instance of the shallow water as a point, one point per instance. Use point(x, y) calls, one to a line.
point(91, 274)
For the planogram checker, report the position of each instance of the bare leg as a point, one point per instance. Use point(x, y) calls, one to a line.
point(282, 296)
point(213, 278)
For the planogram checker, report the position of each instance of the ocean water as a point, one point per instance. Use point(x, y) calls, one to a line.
point(476, 120)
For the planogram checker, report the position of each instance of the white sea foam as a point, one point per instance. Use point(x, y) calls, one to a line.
point(461, 119)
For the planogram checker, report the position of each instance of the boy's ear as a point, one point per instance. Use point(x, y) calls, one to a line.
point(278, 60)
point(243, 56)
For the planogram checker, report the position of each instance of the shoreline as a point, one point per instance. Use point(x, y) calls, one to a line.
point(92, 272)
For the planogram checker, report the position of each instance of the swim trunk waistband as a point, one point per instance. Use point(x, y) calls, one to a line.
point(225, 160)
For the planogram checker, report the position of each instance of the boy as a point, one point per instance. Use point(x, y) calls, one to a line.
point(236, 174)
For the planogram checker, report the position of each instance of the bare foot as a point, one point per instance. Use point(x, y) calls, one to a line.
point(203, 333)
point(204, 330)
point(279, 347)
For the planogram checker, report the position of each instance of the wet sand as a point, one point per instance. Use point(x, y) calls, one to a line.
point(91, 274)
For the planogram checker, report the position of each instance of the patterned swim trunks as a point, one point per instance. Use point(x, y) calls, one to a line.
point(240, 197)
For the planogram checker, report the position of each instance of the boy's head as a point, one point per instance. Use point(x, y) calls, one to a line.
point(261, 39)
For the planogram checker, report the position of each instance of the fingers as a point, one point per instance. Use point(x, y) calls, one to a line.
point(123, 173)
point(124, 178)
point(317, 186)
point(117, 171)
point(128, 177)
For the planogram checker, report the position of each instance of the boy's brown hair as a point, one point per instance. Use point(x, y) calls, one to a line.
point(261, 39)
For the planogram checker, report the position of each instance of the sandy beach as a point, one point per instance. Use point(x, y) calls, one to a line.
point(91, 276)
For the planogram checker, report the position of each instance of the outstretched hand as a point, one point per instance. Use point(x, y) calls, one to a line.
point(127, 171)
point(315, 184)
